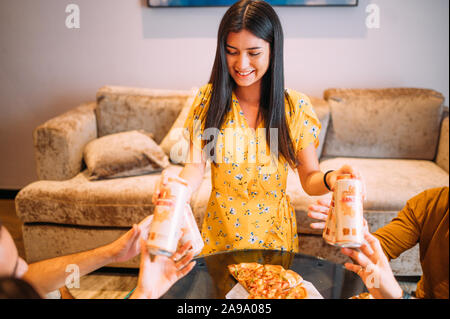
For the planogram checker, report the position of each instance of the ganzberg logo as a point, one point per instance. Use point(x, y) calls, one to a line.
point(73, 19)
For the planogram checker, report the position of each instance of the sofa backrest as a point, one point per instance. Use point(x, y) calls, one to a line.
point(383, 123)
point(121, 109)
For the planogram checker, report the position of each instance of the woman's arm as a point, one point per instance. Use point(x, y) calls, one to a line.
point(193, 172)
point(311, 177)
point(51, 274)
point(194, 169)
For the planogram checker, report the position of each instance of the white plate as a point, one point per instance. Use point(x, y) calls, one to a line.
point(239, 292)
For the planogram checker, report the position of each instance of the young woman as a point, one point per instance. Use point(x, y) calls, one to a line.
point(252, 129)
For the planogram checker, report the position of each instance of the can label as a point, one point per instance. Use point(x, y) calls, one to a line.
point(168, 218)
point(329, 233)
point(344, 224)
point(349, 213)
point(176, 189)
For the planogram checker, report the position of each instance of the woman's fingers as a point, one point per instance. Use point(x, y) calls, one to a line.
point(324, 202)
point(375, 246)
point(160, 184)
point(356, 256)
point(319, 212)
point(317, 225)
point(185, 260)
point(319, 208)
point(181, 251)
point(319, 216)
point(369, 253)
point(352, 267)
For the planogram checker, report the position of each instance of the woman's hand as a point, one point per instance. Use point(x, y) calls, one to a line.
point(158, 273)
point(128, 245)
point(163, 181)
point(372, 265)
point(346, 169)
point(165, 174)
point(319, 211)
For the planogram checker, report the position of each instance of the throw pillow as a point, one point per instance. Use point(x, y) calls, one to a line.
point(123, 154)
point(174, 144)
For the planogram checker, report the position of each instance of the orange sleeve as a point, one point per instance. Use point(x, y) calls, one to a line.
point(406, 230)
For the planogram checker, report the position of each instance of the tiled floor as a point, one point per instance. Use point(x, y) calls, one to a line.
point(105, 283)
point(100, 285)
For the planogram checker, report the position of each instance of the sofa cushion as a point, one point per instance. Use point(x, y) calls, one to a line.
point(383, 123)
point(403, 180)
point(121, 109)
point(322, 111)
point(119, 202)
point(123, 154)
point(174, 144)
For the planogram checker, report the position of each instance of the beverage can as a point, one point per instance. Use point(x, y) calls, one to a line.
point(348, 212)
point(168, 217)
point(191, 232)
point(329, 232)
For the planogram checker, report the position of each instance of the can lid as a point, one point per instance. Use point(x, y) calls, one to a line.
point(344, 176)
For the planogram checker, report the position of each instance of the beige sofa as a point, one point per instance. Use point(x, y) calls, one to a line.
point(397, 138)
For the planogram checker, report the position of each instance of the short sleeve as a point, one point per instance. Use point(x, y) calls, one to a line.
point(195, 121)
point(303, 122)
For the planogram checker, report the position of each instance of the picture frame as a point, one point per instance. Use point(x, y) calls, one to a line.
point(227, 3)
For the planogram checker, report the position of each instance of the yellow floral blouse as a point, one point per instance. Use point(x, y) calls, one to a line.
point(248, 207)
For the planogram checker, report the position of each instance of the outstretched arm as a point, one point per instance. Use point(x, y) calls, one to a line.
point(312, 178)
point(49, 275)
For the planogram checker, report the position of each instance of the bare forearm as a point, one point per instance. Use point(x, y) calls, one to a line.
point(313, 184)
point(193, 173)
point(311, 177)
point(49, 275)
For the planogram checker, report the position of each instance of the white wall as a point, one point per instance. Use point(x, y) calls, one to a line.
point(46, 69)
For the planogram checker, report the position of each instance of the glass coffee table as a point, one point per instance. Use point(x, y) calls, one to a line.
point(210, 279)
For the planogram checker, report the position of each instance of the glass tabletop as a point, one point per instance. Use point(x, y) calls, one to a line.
point(210, 279)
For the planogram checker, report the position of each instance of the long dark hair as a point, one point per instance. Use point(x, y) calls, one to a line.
point(259, 18)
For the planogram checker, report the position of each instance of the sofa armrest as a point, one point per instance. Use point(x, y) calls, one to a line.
point(442, 159)
point(59, 142)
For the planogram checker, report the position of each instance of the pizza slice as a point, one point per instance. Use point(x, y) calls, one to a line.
point(268, 281)
point(247, 274)
point(288, 278)
point(298, 292)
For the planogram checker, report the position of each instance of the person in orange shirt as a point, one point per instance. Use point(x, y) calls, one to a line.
point(423, 220)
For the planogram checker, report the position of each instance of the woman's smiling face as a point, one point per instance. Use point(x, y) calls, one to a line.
point(248, 57)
